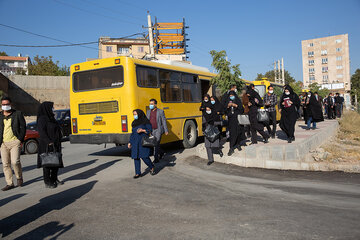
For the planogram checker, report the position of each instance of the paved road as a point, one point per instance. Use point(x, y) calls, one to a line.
point(185, 200)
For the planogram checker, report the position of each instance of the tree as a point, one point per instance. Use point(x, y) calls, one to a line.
point(297, 87)
point(227, 74)
point(3, 54)
point(270, 75)
point(315, 87)
point(45, 66)
point(355, 85)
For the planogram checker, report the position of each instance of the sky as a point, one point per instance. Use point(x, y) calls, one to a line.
point(253, 33)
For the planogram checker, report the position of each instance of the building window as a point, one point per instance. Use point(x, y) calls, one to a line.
point(339, 67)
point(325, 69)
point(140, 49)
point(311, 54)
point(339, 76)
point(324, 60)
point(338, 58)
point(311, 78)
point(323, 43)
point(338, 40)
point(311, 44)
point(311, 62)
point(325, 77)
point(338, 49)
point(109, 48)
point(311, 70)
point(323, 52)
point(123, 50)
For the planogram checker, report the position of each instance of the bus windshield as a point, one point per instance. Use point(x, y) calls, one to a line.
point(98, 79)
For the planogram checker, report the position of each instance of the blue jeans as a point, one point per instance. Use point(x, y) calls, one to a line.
point(309, 122)
point(137, 162)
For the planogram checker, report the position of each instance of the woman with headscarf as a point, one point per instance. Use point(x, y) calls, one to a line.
point(289, 103)
point(218, 108)
point(255, 102)
point(141, 126)
point(50, 140)
point(313, 111)
point(245, 102)
point(234, 107)
point(205, 103)
point(211, 119)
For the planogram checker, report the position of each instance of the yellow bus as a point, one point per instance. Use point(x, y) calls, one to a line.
point(104, 93)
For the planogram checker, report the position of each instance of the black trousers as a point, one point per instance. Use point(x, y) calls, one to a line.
point(235, 131)
point(338, 110)
point(331, 112)
point(272, 116)
point(50, 174)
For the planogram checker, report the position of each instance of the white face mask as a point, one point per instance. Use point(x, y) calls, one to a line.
point(271, 91)
point(287, 93)
point(6, 107)
point(206, 100)
point(208, 112)
point(235, 90)
point(309, 95)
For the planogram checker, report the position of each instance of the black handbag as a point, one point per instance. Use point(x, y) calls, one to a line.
point(262, 116)
point(148, 141)
point(211, 133)
point(50, 158)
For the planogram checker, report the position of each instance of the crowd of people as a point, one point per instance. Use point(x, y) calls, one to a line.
point(241, 115)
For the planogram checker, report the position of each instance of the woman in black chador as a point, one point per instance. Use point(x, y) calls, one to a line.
point(255, 102)
point(50, 138)
point(234, 107)
point(313, 110)
point(289, 103)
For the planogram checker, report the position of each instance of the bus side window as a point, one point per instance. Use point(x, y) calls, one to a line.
point(170, 86)
point(190, 88)
point(146, 77)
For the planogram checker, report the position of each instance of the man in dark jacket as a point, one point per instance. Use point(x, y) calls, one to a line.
point(12, 134)
point(159, 127)
point(338, 104)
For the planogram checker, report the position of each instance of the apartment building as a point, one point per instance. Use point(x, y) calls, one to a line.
point(10, 65)
point(326, 61)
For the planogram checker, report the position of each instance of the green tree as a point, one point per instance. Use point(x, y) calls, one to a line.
point(45, 66)
point(297, 87)
point(270, 75)
point(355, 85)
point(3, 54)
point(315, 87)
point(227, 74)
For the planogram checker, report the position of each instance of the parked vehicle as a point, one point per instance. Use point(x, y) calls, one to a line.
point(31, 142)
point(63, 118)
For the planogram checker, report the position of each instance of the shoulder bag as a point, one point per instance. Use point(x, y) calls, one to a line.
point(243, 119)
point(262, 115)
point(50, 159)
point(148, 141)
point(211, 132)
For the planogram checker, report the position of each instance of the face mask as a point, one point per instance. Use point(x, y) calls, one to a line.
point(287, 93)
point(271, 91)
point(235, 90)
point(212, 102)
point(208, 112)
point(309, 95)
point(6, 107)
point(151, 106)
point(206, 100)
point(232, 97)
point(136, 117)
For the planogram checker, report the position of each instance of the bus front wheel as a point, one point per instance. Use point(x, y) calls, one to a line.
point(190, 134)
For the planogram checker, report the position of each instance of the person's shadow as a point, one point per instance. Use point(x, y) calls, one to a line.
point(47, 204)
point(47, 230)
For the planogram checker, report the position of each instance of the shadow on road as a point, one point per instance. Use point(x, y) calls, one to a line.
point(114, 151)
point(24, 169)
point(47, 230)
point(11, 198)
point(47, 204)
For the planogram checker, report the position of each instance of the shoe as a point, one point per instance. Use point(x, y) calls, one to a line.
point(238, 148)
point(8, 187)
point(156, 161)
point(289, 140)
point(313, 128)
point(137, 176)
point(221, 153)
point(273, 136)
point(59, 182)
point(266, 140)
point(52, 185)
point(307, 129)
point(252, 143)
point(20, 182)
point(161, 155)
point(210, 162)
point(152, 171)
point(231, 151)
point(293, 138)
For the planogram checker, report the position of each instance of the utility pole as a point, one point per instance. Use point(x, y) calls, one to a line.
point(279, 71)
point(275, 78)
point(151, 37)
point(283, 71)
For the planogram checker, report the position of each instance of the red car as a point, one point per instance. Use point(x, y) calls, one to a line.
point(31, 142)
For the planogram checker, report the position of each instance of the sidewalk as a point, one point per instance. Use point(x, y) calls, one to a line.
point(278, 153)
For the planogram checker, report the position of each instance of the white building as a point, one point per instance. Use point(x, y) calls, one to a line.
point(10, 65)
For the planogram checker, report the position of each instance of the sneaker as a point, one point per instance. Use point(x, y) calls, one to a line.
point(8, 187)
point(20, 182)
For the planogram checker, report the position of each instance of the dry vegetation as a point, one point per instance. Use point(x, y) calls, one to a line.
point(345, 147)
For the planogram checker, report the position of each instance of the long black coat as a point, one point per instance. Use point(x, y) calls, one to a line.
point(50, 132)
point(253, 110)
point(313, 109)
point(289, 114)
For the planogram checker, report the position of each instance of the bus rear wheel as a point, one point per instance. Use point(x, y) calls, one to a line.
point(190, 134)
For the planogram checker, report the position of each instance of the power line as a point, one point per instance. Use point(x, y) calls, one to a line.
point(94, 13)
point(39, 46)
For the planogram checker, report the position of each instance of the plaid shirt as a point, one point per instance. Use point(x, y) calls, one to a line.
point(272, 99)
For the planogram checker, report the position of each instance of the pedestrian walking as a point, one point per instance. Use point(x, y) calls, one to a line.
point(218, 108)
point(12, 134)
point(289, 102)
point(313, 111)
point(255, 102)
point(234, 107)
point(159, 127)
point(330, 106)
point(50, 140)
point(226, 95)
point(211, 120)
point(205, 103)
point(338, 105)
point(141, 127)
point(270, 100)
point(245, 102)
